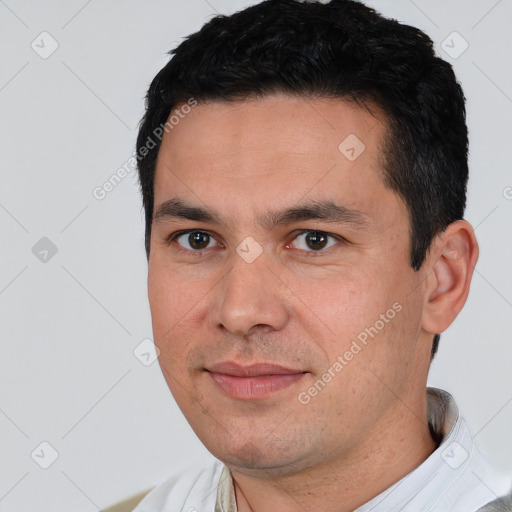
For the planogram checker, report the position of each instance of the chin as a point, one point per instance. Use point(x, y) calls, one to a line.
point(252, 458)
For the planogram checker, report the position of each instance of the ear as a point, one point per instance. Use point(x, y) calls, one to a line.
point(452, 259)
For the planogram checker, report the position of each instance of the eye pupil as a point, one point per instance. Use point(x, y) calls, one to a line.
point(316, 240)
point(199, 239)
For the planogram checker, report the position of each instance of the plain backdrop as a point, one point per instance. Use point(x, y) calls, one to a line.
point(74, 364)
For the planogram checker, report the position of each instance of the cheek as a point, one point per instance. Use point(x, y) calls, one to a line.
point(362, 313)
point(173, 292)
point(172, 301)
point(340, 305)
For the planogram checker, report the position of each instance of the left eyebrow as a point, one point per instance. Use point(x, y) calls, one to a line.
point(326, 211)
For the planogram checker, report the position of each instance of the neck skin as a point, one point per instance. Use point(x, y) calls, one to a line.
point(395, 447)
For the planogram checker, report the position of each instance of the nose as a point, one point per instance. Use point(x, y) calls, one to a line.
point(250, 298)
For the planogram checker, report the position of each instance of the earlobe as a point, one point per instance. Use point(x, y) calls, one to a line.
point(453, 257)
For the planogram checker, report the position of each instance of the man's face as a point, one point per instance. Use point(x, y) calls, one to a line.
point(272, 280)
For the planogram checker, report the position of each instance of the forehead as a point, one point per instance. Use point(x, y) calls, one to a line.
point(276, 149)
point(296, 125)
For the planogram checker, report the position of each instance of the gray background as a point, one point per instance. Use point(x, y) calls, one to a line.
point(71, 321)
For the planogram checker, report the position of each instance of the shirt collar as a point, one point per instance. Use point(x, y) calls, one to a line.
point(424, 483)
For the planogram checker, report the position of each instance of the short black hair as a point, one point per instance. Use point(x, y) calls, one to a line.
point(341, 49)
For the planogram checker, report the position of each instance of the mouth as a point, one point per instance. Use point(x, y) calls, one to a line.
point(253, 382)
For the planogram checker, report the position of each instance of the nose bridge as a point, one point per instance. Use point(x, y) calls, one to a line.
point(250, 295)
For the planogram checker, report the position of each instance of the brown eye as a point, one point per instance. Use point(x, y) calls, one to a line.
point(316, 240)
point(199, 240)
point(195, 240)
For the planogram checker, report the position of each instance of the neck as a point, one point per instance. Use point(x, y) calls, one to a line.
point(395, 447)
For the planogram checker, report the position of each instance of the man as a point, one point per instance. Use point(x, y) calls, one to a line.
point(303, 170)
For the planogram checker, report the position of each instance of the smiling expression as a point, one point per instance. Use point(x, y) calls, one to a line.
point(272, 249)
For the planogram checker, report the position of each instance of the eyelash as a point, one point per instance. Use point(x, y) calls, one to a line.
point(173, 237)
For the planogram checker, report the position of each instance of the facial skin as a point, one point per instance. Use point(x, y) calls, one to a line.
point(295, 305)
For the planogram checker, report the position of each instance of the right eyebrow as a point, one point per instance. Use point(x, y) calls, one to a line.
point(177, 209)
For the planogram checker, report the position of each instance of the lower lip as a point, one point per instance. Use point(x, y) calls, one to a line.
point(253, 388)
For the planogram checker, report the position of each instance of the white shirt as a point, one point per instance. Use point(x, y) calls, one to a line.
point(454, 478)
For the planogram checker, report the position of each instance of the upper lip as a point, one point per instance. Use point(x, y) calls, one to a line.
point(253, 370)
